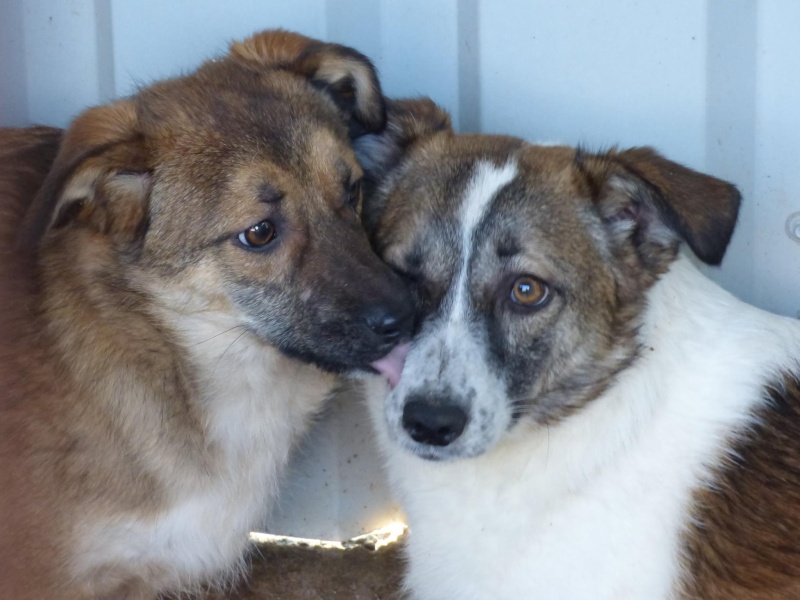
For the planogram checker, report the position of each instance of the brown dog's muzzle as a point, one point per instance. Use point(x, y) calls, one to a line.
point(342, 309)
point(374, 307)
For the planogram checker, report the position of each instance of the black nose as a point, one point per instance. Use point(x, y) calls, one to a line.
point(434, 424)
point(391, 324)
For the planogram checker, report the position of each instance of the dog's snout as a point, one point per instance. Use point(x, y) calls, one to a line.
point(433, 423)
point(391, 324)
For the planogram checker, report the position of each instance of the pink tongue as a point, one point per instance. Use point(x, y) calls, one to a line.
point(391, 365)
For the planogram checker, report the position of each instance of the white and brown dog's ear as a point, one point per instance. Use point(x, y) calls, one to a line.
point(344, 73)
point(100, 178)
point(408, 122)
point(654, 203)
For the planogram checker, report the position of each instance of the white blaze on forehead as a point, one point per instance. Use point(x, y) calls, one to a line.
point(483, 187)
point(448, 357)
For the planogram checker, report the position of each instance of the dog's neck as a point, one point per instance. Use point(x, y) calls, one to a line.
point(244, 378)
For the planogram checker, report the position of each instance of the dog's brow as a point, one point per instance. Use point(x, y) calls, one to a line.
point(269, 194)
point(508, 248)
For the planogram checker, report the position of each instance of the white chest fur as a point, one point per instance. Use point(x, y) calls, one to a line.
point(593, 508)
point(256, 404)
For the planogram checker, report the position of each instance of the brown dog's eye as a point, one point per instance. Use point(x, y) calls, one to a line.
point(258, 235)
point(355, 195)
point(347, 89)
point(529, 291)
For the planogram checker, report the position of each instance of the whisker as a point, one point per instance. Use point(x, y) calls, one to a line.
point(228, 348)
point(216, 336)
point(547, 456)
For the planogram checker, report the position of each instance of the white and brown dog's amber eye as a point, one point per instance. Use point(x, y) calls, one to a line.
point(258, 235)
point(529, 291)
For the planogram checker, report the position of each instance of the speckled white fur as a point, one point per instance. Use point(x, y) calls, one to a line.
point(593, 507)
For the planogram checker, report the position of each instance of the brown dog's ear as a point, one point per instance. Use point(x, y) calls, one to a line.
point(344, 73)
point(100, 178)
point(655, 202)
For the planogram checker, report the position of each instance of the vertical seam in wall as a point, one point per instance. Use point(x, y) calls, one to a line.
point(731, 96)
point(469, 65)
point(13, 65)
point(354, 23)
point(104, 41)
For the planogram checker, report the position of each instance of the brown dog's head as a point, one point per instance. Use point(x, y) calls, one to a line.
point(530, 266)
point(235, 190)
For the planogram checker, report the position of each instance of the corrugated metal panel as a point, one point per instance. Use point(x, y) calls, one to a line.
point(712, 84)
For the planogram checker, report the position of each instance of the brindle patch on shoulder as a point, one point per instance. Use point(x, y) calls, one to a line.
point(744, 543)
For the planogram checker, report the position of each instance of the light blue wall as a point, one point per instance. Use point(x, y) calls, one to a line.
point(711, 83)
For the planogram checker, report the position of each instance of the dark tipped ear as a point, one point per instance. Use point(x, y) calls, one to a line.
point(408, 121)
point(657, 202)
point(344, 73)
point(99, 179)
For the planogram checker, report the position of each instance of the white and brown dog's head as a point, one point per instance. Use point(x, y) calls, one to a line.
point(236, 190)
point(530, 266)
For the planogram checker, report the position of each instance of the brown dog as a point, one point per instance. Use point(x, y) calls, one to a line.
point(187, 282)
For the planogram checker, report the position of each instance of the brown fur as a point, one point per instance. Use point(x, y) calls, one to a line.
point(25, 157)
point(744, 544)
point(111, 419)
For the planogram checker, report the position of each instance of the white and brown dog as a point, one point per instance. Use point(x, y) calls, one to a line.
point(191, 276)
point(582, 413)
